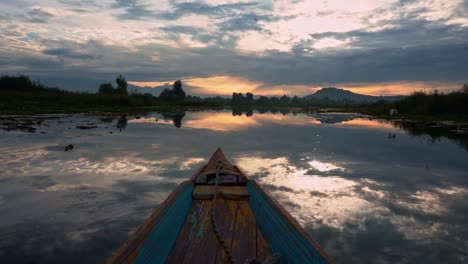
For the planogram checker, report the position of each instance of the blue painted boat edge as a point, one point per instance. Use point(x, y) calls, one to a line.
point(133, 243)
point(158, 243)
point(283, 234)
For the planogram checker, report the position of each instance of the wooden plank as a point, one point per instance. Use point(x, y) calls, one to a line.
point(203, 192)
point(206, 192)
point(196, 242)
point(234, 192)
point(226, 212)
point(244, 239)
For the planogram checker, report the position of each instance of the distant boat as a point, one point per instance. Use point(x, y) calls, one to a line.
point(220, 216)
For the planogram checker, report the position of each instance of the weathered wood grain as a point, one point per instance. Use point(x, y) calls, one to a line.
point(196, 242)
point(244, 240)
point(226, 211)
point(206, 192)
point(250, 221)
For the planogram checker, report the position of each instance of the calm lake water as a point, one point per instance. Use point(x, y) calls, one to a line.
point(368, 191)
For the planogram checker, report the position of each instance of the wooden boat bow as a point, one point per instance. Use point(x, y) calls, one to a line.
point(249, 225)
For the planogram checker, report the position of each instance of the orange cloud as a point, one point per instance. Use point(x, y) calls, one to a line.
point(226, 85)
point(148, 84)
point(292, 89)
point(398, 88)
point(223, 85)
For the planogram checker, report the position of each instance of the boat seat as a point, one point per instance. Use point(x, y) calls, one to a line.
point(206, 192)
point(224, 179)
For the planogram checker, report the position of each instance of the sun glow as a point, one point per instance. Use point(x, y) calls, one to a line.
point(398, 88)
point(226, 85)
point(223, 85)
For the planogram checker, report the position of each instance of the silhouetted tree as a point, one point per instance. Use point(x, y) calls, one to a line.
point(106, 88)
point(177, 86)
point(249, 98)
point(263, 101)
point(23, 83)
point(178, 91)
point(166, 95)
point(121, 84)
point(239, 99)
point(295, 100)
point(148, 98)
point(174, 94)
point(465, 88)
point(16, 83)
point(284, 100)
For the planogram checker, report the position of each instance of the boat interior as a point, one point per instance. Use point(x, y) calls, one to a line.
point(247, 226)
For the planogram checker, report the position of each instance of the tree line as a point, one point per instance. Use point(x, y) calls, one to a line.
point(22, 90)
point(417, 103)
point(435, 103)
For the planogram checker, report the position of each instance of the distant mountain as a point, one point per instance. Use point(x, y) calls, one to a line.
point(156, 91)
point(341, 95)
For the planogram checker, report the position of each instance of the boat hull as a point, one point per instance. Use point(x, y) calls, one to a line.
point(251, 224)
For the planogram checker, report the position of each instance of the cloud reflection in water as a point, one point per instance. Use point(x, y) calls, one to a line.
point(363, 196)
point(335, 203)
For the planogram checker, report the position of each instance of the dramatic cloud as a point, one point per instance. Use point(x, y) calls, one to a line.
point(378, 47)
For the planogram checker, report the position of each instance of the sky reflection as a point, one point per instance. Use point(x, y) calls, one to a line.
point(362, 195)
point(368, 124)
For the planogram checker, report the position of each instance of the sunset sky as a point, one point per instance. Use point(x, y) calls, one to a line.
point(220, 46)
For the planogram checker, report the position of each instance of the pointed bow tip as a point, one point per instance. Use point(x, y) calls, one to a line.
point(218, 155)
point(218, 150)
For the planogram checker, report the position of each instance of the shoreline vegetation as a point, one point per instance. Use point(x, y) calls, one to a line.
point(21, 95)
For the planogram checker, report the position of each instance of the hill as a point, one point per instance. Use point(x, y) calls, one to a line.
point(341, 95)
point(155, 91)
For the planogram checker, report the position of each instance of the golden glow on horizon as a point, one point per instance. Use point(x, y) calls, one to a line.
point(149, 84)
point(223, 85)
point(292, 89)
point(398, 88)
point(226, 85)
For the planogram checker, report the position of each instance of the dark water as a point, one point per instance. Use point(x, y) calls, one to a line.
point(368, 191)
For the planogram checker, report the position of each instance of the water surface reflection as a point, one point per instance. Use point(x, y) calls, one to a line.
point(365, 196)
